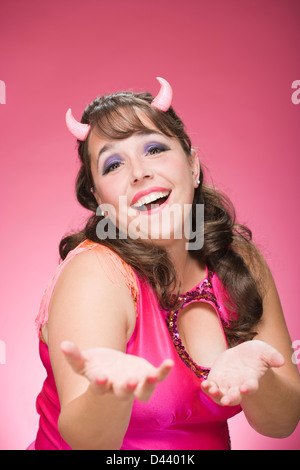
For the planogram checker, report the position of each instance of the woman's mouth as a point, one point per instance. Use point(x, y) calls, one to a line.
point(152, 202)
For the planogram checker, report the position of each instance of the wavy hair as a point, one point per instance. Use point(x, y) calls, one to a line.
point(227, 245)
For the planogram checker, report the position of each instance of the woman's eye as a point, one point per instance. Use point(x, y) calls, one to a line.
point(111, 167)
point(155, 149)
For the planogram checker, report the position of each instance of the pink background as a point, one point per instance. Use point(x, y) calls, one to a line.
point(231, 64)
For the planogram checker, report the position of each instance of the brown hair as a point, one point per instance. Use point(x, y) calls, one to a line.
point(226, 243)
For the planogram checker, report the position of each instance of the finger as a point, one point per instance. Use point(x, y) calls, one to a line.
point(214, 391)
point(125, 390)
point(145, 389)
point(100, 385)
point(249, 387)
point(132, 384)
point(164, 369)
point(211, 389)
point(144, 392)
point(205, 384)
point(276, 359)
point(73, 355)
point(231, 398)
point(273, 357)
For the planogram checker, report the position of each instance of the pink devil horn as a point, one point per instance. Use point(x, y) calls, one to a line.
point(163, 99)
point(79, 130)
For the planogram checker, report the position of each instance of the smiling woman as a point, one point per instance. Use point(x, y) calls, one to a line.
point(149, 344)
point(140, 178)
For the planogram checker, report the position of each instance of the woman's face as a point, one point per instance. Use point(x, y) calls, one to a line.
point(144, 183)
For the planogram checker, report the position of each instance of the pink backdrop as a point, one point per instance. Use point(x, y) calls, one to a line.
point(231, 64)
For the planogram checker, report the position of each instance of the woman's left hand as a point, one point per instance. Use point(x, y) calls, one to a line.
point(238, 371)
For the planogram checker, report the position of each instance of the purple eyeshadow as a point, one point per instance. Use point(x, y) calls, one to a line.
point(110, 161)
point(157, 145)
point(115, 158)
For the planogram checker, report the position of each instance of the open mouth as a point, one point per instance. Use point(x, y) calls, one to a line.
point(152, 201)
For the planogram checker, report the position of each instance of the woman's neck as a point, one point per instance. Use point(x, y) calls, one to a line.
point(189, 270)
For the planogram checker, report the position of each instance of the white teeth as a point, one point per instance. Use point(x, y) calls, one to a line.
point(150, 198)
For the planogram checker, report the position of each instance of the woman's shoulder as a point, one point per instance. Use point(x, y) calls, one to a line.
point(90, 303)
point(90, 275)
point(94, 258)
point(100, 263)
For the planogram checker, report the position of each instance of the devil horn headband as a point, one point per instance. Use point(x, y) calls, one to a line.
point(162, 102)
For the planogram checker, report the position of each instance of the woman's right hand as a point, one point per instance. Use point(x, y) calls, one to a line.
point(112, 371)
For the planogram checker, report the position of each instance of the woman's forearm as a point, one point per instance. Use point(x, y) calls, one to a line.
point(95, 422)
point(274, 410)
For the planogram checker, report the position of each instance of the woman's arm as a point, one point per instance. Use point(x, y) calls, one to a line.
point(260, 374)
point(117, 379)
point(96, 393)
point(274, 410)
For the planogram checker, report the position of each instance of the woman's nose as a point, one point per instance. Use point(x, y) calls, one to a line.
point(140, 171)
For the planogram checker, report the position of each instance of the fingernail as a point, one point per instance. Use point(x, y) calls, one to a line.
point(132, 384)
point(101, 380)
point(169, 363)
point(151, 380)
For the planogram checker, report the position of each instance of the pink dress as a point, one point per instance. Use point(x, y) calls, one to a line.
point(178, 416)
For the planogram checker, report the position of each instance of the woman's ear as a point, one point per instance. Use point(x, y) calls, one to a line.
point(195, 166)
point(96, 196)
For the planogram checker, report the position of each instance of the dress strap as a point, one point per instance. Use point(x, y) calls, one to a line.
point(112, 265)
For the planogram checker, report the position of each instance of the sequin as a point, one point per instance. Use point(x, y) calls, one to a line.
point(199, 293)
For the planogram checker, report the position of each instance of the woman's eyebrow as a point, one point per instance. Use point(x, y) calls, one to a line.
point(104, 149)
point(149, 132)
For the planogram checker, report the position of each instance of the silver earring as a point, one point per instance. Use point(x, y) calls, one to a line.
point(100, 211)
point(197, 181)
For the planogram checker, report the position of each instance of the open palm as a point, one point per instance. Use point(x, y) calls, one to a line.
point(112, 371)
point(238, 371)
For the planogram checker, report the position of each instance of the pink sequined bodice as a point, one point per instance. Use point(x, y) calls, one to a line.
point(178, 415)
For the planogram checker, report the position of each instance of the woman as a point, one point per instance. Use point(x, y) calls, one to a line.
point(150, 340)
